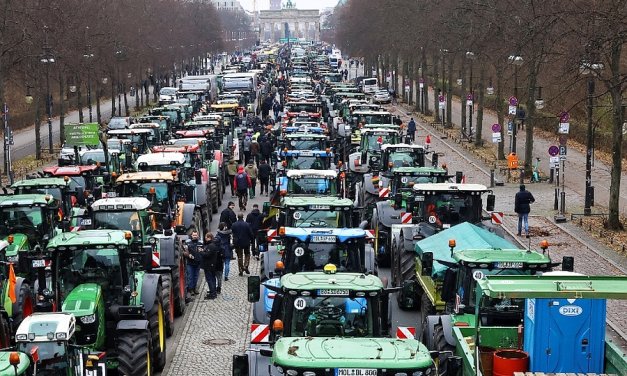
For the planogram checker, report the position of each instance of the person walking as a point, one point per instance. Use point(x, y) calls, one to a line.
point(224, 234)
point(266, 147)
point(411, 131)
point(242, 238)
point(242, 184)
point(191, 251)
point(228, 216)
point(209, 261)
point(522, 206)
point(231, 170)
point(252, 172)
point(264, 172)
point(219, 273)
point(246, 145)
point(254, 219)
point(254, 149)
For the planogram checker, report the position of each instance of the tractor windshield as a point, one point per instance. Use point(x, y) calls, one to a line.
point(408, 181)
point(20, 219)
point(315, 256)
point(312, 186)
point(374, 141)
point(375, 118)
point(79, 266)
point(451, 208)
point(52, 355)
point(330, 316)
point(318, 218)
point(54, 192)
point(117, 220)
point(306, 144)
point(308, 162)
point(91, 157)
point(407, 159)
point(142, 190)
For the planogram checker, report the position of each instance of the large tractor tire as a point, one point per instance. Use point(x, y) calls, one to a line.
point(5, 331)
point(215, 201)
point(167, 297)
point(134, 353)
point(441, 345)
point(178, 279)
point(157, 325)
point(406, 261)
point(24, 305)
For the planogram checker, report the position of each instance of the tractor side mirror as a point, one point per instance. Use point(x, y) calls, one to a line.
point(80, 195)
point(398, 200)
point(265, 210)
point(427, 264)
point(435, 159)
point(490, 202)
point(240, 365)
point(568, 264)
point(411, 202)
point(198, 177)
point(458, 176)
point(254, 283)
point(281, 219)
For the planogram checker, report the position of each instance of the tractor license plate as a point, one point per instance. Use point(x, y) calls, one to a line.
point(323, 238)
point(332, 292)
point(85, 222)
point(508, 265)
point(355, 372)
point(39, 263)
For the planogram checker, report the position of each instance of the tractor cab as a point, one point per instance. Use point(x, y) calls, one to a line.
point(309, 183)
point(305, 141)
point(305, 160)
point(86, 178)
point(139, 138)
point(368, 156)
point(403, 179)
point(163, 121)
point(401, 155)
point(156, 136)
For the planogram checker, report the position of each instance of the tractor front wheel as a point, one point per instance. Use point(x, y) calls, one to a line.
point(134, 353)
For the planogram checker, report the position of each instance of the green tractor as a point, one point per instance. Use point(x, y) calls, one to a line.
point(97, 275)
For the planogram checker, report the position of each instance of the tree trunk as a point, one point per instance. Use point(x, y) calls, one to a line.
point(530, 117)
point(499, 111)
point(98, 114)
point(479, 96)
point(79, 100)
point(449, 93)
point(61, 109)
point(38, 125)
point(425, 89)
point(616, 87)
point(462, 95)
point(126, 101)
point(113, 94)
point(436, 85)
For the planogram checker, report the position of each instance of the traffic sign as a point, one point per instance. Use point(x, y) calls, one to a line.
point(511, 110)
point(441, 98)
point(553, 150)
point(496, 137)
point(496, 127)
point(564, 117)
point(563, 140)
point(513, 101)
point(469, 97)
point(510, 127)
point(563, 150)
point(564, 128)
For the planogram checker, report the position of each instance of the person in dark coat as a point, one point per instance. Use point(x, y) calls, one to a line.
point(522, 206)
point(266, 148)
point(228, 215)
point(209, 264)
point(254, 219)
point(224, 234)
point(242, 239)
point(411, 130)
point(264, 172)
point(191, 252)
point(242, 184)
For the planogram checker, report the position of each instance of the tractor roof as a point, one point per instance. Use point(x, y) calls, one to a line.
point(40, 324)
point(121, 203)
point(40, 183)
point(393, 147)
point(131, 132)
point(312, 174)
point(176, 149)
point(89, 238)
point(160, 159)
point(69, 170)
point(193, 133)
point(317, 203)
point(305, 153)
point(145, 176)
point(339, 281)
point(380, 130)
point(341, 234)
point(450, 187)
point(306, 136)
point(501, 258)
point(419, 171)
point(33, 199)
point(145, 126)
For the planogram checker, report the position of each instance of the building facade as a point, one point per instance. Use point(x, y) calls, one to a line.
point(301, 23)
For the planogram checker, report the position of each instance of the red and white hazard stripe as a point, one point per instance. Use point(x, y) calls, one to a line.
point(156, 259)
point(271, 234)
point(497, 218)
point(384, 192)
point(259, 333)
point(406, 332)
point(370, 234)
point(405, 217)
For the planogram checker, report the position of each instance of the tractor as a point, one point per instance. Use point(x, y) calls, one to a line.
point(120, 309)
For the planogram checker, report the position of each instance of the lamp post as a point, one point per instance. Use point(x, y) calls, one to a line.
point(471, 93)
point(516, 61)
point(88, 57)
point(47, 59)
point(444, 51)
point(590, 70)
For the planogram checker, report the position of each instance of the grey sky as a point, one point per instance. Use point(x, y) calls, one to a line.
point(300, 4)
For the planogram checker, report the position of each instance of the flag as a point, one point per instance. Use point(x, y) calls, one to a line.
point(12, 281)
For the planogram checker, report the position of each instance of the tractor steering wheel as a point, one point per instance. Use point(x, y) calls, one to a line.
point(329, 312)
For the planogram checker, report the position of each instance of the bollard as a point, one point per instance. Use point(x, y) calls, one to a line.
point(552, 175)
point(555, 203)
point(563, 202)
point(492, 178)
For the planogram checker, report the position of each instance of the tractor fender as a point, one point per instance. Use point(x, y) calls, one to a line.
point(188, 213)
point(200, 193)
point(429, 330)
point(19, 281)
point(166, 250)
point(150, 285)
point(369, 186)
point(384, 181)
point(218, 157)
point(370, 260)
point(360, 169)
point(214, 169)
point(387, 215)
point(124, 325)
point(447, 326)
point(204, 173)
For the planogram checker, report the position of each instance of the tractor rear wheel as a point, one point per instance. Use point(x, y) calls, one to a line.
point(23, 306)
point(134, 354)
point(214, 197)
point(406, 261)
point(157, 325)
point(167, 297)
point(440, 344)
point(178, 279)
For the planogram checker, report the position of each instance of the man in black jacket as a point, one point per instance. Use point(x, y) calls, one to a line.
point(242, 239)
point(192, 252)
point(263, 173)
point(254, 219)
point(521, 206)
point(228, 215)
point(209, 264)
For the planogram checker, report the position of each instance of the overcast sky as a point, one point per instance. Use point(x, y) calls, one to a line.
point(300, 4)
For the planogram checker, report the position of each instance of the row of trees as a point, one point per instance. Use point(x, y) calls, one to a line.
point(555, 42)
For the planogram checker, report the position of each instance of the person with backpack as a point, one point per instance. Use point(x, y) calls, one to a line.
point(264, 173)
point(251, 170)
point(254, 219)
point(224, 234)
point(228, 216)
point(242, 239)
point(231, 169)
point(242, 184)
point(246, 145)
point(411, 131)
point(209, 262)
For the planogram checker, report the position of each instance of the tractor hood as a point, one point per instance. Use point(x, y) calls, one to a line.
point(20, 242)
point(337, 352)
point(7, 369)
point(82, 300)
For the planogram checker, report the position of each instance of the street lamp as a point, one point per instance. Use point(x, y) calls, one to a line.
point(516, 61)
point(47, 59)
point(88, 57)
point(590, 70)
point(490, 89)
point(539, 103)
point(471, 95)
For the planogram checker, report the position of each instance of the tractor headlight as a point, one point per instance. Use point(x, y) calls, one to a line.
point(291, 372)
point(152, 241)
point(417, 373)
point(21, 337)
point(309, 373)
point(63, 336)
point(89, 319)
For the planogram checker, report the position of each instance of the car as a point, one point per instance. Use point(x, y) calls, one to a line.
point(382, 96)
point(167, 95)
point(118, 122)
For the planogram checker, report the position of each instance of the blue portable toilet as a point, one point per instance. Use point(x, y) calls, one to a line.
point(565, 335)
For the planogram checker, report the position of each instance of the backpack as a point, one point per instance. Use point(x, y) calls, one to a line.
point(242, 181)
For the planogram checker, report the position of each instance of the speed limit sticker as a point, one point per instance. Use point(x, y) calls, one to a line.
point(477, 275)
point(299, 251)
point(432, 219)
point(300, 304)
point(296, 215)
point(404, 180)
